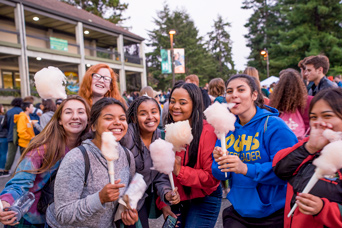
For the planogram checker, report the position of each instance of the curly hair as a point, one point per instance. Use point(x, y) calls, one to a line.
point(216, 87)
point(85, 88)
point(290, 93)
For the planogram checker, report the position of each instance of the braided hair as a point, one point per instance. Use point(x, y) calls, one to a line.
point(132, 117)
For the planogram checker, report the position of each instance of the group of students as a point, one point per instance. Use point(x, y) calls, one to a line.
point(266, 166)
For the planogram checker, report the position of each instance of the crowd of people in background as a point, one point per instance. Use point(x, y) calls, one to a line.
point(268, 162)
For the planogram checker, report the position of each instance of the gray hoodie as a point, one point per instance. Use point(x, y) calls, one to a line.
point(79, 206)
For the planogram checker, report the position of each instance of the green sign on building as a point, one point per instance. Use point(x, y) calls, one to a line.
point(58, 44)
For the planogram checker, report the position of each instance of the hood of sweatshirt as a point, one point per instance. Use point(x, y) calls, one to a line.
point(17, 116)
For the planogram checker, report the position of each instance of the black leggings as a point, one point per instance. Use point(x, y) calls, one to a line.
point(232, 219)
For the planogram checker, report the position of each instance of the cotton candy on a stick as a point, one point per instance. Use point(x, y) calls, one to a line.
point(109, 150)
point(50, 83)
point(179, 134)
point(163, 158)
point(327, 163)
point(222, 121)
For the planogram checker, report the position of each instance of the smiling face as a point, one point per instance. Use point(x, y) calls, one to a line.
point(181, 105)
point(239, 92)
point(73, 118)
point(148, 116)
point(112, 119)
point(99, 86)
point(322, 112)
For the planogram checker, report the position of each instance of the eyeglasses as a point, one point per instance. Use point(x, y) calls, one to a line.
point(98, 77)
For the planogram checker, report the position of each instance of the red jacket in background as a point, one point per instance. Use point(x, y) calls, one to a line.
point(295, 165)
point(199, 178)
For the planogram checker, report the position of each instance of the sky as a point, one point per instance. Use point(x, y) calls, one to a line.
point(202, 12)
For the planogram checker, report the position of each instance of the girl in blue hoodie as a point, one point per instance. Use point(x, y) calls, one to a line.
point(257, 194)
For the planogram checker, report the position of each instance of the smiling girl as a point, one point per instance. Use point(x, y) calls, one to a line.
point(100, 81)
point(43, 156)
point(199, 191)
point(143, 119)
point(257, 194)
point(322, 207)
point(93, 204)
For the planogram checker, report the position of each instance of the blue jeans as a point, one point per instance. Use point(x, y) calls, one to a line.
point(200, 212)
point(3, 152)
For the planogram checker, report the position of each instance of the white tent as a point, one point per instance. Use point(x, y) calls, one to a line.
point(269, 81)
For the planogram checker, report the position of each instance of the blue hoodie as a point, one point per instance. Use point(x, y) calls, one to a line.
point(260, 192)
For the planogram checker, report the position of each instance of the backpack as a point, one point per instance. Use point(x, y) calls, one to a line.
point(295, 122)
point(47, 192)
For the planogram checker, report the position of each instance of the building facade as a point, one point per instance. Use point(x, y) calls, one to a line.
point(39, 33)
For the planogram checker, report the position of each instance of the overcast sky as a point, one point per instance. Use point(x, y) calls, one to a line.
point(203, 12)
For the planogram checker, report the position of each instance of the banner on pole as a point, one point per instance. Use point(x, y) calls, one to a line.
point(166, 61)
point(179, 60)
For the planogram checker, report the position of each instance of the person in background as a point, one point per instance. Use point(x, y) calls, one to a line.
point(321, 207)
point(200, 192)
point(34, 115)
point(39, 110)
point(58, 102)
point(264, 91)
point(257, 195)
point(291, 100)
point(49, 108)
point(42, 158)
point(100, 81)
point(3, 138)
point(253, 72)
point(194, 80)
point(12, 147)
point(25, 126)
point(337, 80)
point(316, 67)
point(216, 89)
point(146, 91)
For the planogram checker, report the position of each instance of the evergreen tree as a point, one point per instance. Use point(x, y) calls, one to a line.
point(220, 47)
point(197, 60)
point(110, 10)
point(312, 27)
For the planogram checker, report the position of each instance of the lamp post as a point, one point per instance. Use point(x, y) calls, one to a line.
point(172, 32)
point(265, 54)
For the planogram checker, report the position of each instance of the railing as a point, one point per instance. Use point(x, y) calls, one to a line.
point(133, 59)
point(104, 53)
point(9, 38)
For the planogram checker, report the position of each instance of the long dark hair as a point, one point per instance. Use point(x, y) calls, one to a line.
point(333, 97)
point(253, 85)
point(132, 117)
point(96, 110)
point(54, 137)
point(196, 117)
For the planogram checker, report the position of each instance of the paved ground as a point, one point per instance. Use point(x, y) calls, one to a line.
point(154, 223)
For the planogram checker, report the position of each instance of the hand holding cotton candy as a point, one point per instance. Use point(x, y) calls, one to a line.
point(50, 83)
point(134, 193)
point(163, 158)
point(109, 150)
point(222, 120)
point(179, 134)
point(327, 163)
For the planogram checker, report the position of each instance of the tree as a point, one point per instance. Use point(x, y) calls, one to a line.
point(110, 10)
point(220, 47)
point(312, 27)
point(197, 60)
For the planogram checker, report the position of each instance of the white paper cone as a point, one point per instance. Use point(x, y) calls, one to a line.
point(223, 147)
point(307, 189)
point(171, 181)
point(111, 171)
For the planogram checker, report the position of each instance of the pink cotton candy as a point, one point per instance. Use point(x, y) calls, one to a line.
point(220, 118)
point(330, 159)
point(50, 83)
point(179, 134)
point(162, 156)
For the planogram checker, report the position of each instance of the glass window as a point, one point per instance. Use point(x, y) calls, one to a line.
point(7, 79)
point(17, 80)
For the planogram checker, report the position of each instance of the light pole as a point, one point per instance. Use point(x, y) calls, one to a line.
point(172, 32)
point(265, 54)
